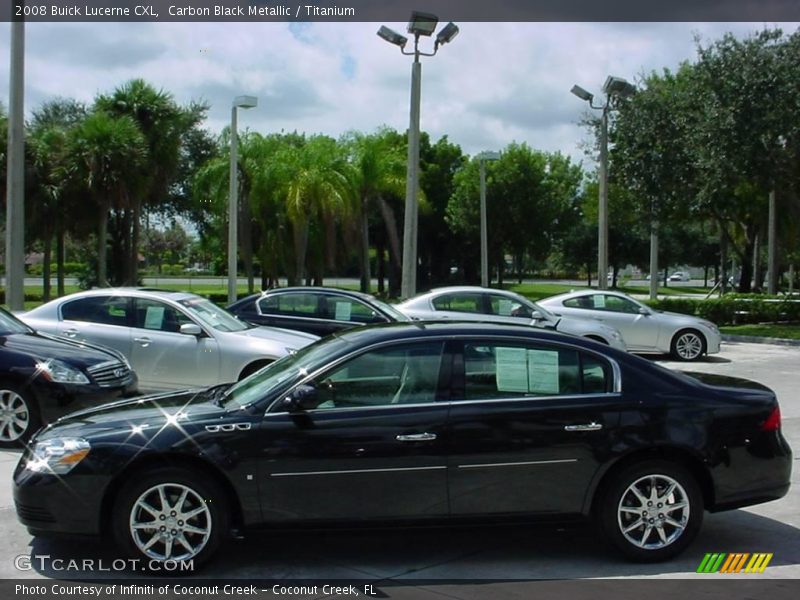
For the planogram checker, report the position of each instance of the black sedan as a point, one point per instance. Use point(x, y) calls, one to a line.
point(42, 378)
point(415, 422)
point(317, 310)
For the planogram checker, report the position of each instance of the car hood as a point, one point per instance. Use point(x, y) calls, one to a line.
point(44, 346)
point(286, 337)
point(154, 411)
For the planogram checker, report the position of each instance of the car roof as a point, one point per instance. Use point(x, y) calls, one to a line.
point(139, 292)
point(457, 289)
point(582, 292)
point(310, 290)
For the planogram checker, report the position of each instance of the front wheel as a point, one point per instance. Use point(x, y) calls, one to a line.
point(19, 417)
point(688, 345)
point(651, 511)
point(170, 514)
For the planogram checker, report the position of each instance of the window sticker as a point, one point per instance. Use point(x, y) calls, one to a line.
point(543, 371)
point(512, 369)
point(599, 301)
point(505, 307)
point(154, 317)
point(527, 371)
point(343, 310)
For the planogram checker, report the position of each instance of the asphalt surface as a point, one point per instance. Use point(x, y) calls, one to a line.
point(474, 562)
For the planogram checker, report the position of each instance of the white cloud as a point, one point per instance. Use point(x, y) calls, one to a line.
point(496, 83)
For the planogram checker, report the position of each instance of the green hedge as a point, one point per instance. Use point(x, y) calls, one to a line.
point(734, 308)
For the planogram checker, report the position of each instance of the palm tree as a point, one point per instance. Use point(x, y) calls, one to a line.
point(164, 126)
point(378, 170)
point(107, 154)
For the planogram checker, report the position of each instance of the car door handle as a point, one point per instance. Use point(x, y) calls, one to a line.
point(143, 341)
point(584, 427)
point(71, 333)
point(416, 437)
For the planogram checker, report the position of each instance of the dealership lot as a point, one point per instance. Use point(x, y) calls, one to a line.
point(420, 557)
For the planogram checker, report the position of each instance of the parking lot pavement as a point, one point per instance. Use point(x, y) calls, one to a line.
point(429, 560)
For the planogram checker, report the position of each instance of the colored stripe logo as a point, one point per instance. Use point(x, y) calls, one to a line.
point(736, 562)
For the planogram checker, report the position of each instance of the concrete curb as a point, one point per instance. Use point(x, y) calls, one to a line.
point(759, 340)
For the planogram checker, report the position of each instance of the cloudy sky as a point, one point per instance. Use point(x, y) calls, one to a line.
point(494, 84)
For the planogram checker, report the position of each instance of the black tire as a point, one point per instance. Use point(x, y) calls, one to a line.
point(19, 415)
point(688, 345)
point(619, 509)
point(203, 496)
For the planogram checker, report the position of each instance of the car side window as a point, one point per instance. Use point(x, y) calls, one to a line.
point(617, 304)
point(293, 305)
point(406, 374)
point(495, 371)
point(584, 302)
point(158, 316)
point(504, 306)
point(348, 309)
point(108, 310)
point(466, 303)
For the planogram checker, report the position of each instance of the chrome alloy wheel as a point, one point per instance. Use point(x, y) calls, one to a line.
point(15, 416)
point(653, 512)
point(689, 346)
point(170, 521)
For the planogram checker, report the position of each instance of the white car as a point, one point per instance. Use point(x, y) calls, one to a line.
point(172, 340)
point(645, 330)
point(680, 276)
point(470, 303)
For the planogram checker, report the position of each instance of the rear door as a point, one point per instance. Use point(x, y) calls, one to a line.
point(529, 426)
point(104, 319)
point(301, 311)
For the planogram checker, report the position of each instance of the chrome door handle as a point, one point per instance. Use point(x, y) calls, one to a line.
point(416, 437)
point(143, 341)
point(71, 333)
point(584, 427)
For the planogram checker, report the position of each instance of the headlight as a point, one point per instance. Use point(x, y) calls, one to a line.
point(61, 372)
point(58, 456)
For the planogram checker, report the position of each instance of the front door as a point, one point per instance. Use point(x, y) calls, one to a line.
point(372, 447)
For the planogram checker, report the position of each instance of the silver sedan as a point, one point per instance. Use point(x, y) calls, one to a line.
point(173, 340)
point(469, 303)
point(645, 330)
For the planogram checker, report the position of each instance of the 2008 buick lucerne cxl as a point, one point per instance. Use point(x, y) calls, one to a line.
point(422, 422)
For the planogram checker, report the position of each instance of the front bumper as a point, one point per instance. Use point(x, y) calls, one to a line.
point(51, 505)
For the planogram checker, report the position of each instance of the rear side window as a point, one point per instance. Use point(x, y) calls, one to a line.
point(466, 303)
point(292, 305)
point(108, 310)
point(507, 371)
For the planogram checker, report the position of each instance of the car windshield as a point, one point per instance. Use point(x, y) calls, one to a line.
point(282, 372)
point(391, 310)
point(10, 324)
point(214, 316)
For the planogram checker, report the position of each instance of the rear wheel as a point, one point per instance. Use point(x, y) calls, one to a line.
point(252, 368)
point(651, 511)
point(19, 417)
point(171, 514)
point(688, 344)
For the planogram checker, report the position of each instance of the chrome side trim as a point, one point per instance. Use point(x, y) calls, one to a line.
point(356, 471)
point(519, 464)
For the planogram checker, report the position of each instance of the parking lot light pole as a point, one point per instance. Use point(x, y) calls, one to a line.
point(482, 158)
point(15, 190)
point(421, 24)
point(233, 196)
point(614, 88)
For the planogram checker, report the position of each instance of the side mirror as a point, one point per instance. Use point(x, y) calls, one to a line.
point(644, 311)
point(536, 316)
point(303, 397)
point(191, 329)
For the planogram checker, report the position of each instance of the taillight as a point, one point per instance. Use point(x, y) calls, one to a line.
point(773, 422)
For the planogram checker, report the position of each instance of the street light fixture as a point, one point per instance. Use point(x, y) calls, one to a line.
point(420, 24)
point(233, 201)
point(615, 88)
point(482, 158)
